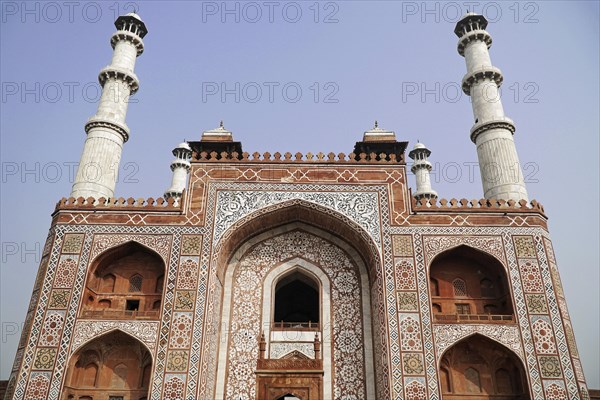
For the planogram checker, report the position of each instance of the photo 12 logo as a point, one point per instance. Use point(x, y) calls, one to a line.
point(52, 12)
point(253, 12)
point(452, 11)
point(270, 92)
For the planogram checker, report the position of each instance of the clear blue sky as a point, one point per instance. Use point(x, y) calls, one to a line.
point(391, 61)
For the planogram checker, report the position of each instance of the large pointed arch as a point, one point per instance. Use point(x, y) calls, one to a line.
point(470, 284)
point(296, 210)
point(478, 365)
point(119, 363)
point(121, 283)
point(286, 228)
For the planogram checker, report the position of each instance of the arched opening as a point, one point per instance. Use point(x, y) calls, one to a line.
point(477, 367)
point(232, 271)
point(469, 286)
point(125, 282)
point(114, 365)
point(297, 302)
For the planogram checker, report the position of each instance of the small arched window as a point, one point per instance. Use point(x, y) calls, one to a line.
point(435, 290)
point(436, 308)
point(460, 287)
point(445, 380)
point(296, 300)
point(159, 284)
point(135, 283)
point(503, 383)
point(473, 383)
point(90, 373)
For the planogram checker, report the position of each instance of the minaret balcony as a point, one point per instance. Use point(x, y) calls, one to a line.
point(486, 72)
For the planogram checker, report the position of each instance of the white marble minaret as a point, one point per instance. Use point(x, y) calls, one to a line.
point(106, 130)
point(421, 168)
point(180, 167)
point(492, 132)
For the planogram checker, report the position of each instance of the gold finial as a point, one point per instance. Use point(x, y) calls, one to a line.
point(221, 125)
point(376, 124)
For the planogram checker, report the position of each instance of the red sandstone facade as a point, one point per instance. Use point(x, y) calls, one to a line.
point(152, 299)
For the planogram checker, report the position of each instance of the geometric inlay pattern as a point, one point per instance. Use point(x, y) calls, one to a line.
point(187, 278)
point(410, 333)
point(184, 300)
point(177, 361)
point(524, 246)
point(407, 301)
point(65, 273)
point(181, 330)
point(72, 243)
point(405, 274)
point(550, 366)
point(44, 358)
point(59, 298)
point(38, 386)
point(413, 363)
point(191, 245)
point(403, 246)
point(530, 276)
point(543, 337)
point(536, 303)
point(52, 328)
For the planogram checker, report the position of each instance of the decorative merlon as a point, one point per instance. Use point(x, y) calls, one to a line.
point(371, 158)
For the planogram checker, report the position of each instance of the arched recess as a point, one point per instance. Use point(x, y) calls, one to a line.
point(479, 367)
point(124, 282)
point(113, 364)
point(469, 285)
point(280, 218)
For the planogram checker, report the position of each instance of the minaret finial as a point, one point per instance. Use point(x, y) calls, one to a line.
point(376, 124)
point(221, 125)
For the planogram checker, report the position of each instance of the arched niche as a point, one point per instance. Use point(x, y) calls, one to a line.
point(469, 285)
point(114, 364)
point(124, 282)
point(478, 367)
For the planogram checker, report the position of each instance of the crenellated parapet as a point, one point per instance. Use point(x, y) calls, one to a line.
point(482, 205)
point(318, 158)
point(118, 204)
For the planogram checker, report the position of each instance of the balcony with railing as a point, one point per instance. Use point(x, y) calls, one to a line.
point(111, 313)
point(473, 318)
point(295, 326)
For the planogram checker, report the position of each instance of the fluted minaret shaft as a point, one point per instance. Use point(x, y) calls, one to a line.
point(492, 132)
point(107, 130)
point(422, 168)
